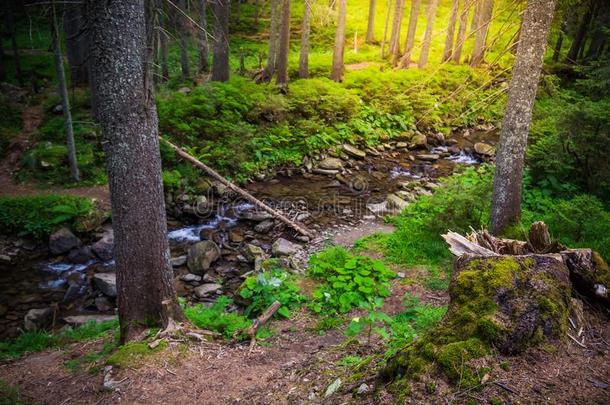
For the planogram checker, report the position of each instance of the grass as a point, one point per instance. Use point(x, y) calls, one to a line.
point(9, 395)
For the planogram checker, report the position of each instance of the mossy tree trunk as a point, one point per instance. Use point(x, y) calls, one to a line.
point(273, 38)
point(163, 51)
point(581, 33)
point(304, 51)
point(480, 36)
point(282, 60)
point(425, 48)
point(506, 198)
point(204, 46)
point(405, 61)
point(220, 64)
point(385, 28)
point(337, 68)
point(396, 26)
point(463, 28)
point(370, 29)
point(184, 39)
point(121, 56)
point(455, 4)
point(77, 46)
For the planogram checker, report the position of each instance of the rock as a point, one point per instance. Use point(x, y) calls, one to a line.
point(589, 273)
point(58, 109)
point(436, 138)
point(184, 90)
point(38, 319)
point(430, 157)
point(236, 236)
point(5, 259)
point(325, 172)
point(252, 252)
point(363, 389)
point(283, 247)
point(79, 320)
point(80, 255)
point(205, 290)
point(331, 164)
point(106, 283)
point(377, 208)
point(62, 241)
point(103, 304)
point(402, 145)
point(353, 151)
point(178, 261)
point(419, 141)
point(191, 278)
point(394, 202)
point(264, 226)
point(484, 149)
point(255, 215)
point(332, 388)
point(201, 255)
point(104, 248)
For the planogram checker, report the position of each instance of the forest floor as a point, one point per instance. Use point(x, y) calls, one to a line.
point(298, 363)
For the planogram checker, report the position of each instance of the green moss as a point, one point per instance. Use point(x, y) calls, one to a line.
point(133, 354)
point(602, 273)
point(454, 358)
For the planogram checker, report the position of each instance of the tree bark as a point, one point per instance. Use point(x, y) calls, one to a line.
point(455, 4)
point(405, 61)
point(396, 25)
point(385, 28)
point(76, 43)
point(478, 52)
point(557, 49)
point(463, 28)
point(506, 198)
point(337, 69)
point(304, 52)
point(121, 57)
point(220, 66)
point(370, 29)
point(65, 100)
point(273, 38)
point(257, 6)
point(163, 51)
point(10, 26)
point(184, 39)
point(425, 48)
point(204, 47)
point(282, 62)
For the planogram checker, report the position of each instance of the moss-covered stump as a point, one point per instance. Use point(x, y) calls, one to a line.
point(502, 303)
point(589, 273)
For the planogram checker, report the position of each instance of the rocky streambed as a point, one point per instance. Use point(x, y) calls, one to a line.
point(217, 238)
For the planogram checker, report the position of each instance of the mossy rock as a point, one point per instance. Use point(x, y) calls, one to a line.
point(503, 303)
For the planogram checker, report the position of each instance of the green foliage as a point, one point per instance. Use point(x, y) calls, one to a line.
point(348, 281)
point(39, 216)
point(370, 321)
point(133, 354)
point(217, 319)
point(10, 122)
point(266, 287)
point(349, 361)
point(9, 395)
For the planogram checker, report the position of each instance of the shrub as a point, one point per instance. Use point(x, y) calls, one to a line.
point(267, 287)
point(217, 319)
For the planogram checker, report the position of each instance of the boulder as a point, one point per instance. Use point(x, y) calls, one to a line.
point(436, 138)
point(178, 261)
point(283, 247)
point(264, 226)
point(79, 320)
point(201, 255)
point(103, 304)
point(104, 248)
point(62, 241)
point(106, 283)
point(205, 290)
point(353, 151)
point(81, 255)
point(402, 145)
point(255, 215)
point(331, 163)
point(430, 157)
point(484, 149)
point(191, 278)
point(38, 319)
point(394, 202)
point(236, 236)
point(419, 141)
point(184, 90)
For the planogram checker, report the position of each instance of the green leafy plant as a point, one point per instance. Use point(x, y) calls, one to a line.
point(370, 321)
point(263, 289)
point(217, 319)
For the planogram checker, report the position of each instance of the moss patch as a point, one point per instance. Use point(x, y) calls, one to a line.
point(133, 354)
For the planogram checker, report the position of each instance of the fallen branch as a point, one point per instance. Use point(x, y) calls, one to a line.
point(214, 174)
point(260, 321)
point(459, 245)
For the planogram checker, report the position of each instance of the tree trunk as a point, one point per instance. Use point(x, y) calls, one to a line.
point(121, 59)
point(425, 48)
point(77, 46)
point(557, 49)
point(238, 17)
point(163, 51)
point(220, 66)
point(455, 4)
point(506, 199)
point(370, 30)
point(304, 53)
point(405, 61)
point(2, 59)
point(476, 16)
point(184, 40)
point(461, 36)
point(257, 6)
point(282, 62)
point(396, 25)
point(273, 38)
point(65, 100)
point(10, 26)
point(204, 47)
point(478, 52)
point(385, 28)
point(337, 70)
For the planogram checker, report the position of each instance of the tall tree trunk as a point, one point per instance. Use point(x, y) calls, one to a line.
point(257, 6)
point(65, 100)
point(405, 61)
point(10, 26)
point(396, 25)
point(204, 47)
point(304, 53)
point(238, 17)
point(163, 50)
point(220, 66)
point(463, 28)
point(425, 48)
point(557, 48)
point(337, 70)
point(385, 28)
point(506, 199)
point(455, 4)
point(273, 38)
point(476, 16)
point(2, 58)
point(478, 52)
point(183, 26)
point(77, 46)
point(121, 56)
point(282, 62)
point(370, 29)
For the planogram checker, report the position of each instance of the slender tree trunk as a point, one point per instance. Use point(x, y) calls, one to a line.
point(478, 53)
point(557, 49)
point(455, 4)
point(476, 16)
point(2, 58)
point(385, 28)
point(184, 40)
point(77, 46)
point(304, 53)
point(257, 6)
point(10, 26)
point(506, 199)
point(204, 47)
point(425, 48)
point(65, 100)
point(220, 66)
point(238, 18)
point(597, 40)
point(405, 61)
point(121, 59)
point(396, 25)
point(282, 62)
point(163, 50)
point(337, 69)
point(463, 28)
point(370, 30)
point(273, 38)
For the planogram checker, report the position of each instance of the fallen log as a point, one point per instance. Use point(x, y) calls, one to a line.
point(459, 245)
point(214, 174)
point(260, 321)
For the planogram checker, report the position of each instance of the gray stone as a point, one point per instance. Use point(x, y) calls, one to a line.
point(255, 215)
point(264, 226)
point(283, 247)
point(331, 164)
point(80, 255)
point(430, 157)
point(201, 255)
point(106, 283)
point(326, 172)
point(484, 149)
point(394, 202)
point(178, 261)
point(190, 278)
point(38, 319)
point(103, 304)
point(419, 141)
point(205, 290)
point(79, 320)
point(184, 90)
point(62, 241)
point(353, 151)
point(104, 248)
point(402, 145)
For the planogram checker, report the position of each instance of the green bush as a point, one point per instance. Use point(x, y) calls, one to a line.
point(40, 216)
point(267, 287)
point(217, 319)
point(10, 122)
